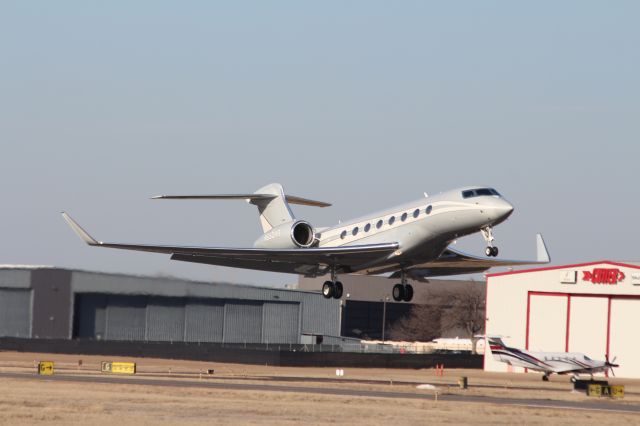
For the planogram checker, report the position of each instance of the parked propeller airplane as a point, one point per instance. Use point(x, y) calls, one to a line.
point(410, 240)
point(549, 362)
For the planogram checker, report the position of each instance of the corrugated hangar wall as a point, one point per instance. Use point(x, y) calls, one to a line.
point(15, 312)
point(119, 307)
point(15, 303)
point(154, 318)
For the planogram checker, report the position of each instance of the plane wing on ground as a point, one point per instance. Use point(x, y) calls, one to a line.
point(454, 262)
point(305, 261)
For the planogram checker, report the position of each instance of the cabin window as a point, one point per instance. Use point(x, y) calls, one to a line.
point(391, 220)
point(428, 209)
point(416, 213)
point(403, 217)
point(355, 231)
point(367, 227)
point(379, 224)
point(343, 234)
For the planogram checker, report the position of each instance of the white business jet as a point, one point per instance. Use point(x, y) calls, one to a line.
point(410, 241)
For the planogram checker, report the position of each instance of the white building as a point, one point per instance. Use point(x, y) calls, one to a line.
point(593, 308)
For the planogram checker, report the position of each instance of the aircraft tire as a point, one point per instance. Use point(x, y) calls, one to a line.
point(488, 251)
point(398, 292)
point(545, 378)
point(408, 293)
point(328, 289)
point(494, 251)
point(337, 290)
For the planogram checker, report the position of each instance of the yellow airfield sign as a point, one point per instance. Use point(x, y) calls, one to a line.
point(118, 367)
point(45, 368)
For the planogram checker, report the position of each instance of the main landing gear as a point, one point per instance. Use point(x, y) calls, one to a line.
point(332, 288)
point(491, 250)
point(403, 291)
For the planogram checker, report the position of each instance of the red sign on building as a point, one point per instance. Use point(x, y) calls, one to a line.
point(603, 276)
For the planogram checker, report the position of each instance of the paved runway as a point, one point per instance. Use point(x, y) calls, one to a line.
point(596, 405)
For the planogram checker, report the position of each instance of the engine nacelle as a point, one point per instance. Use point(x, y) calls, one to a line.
point(296, 234)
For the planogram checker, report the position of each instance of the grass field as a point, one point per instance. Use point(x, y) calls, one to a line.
point(33, 400)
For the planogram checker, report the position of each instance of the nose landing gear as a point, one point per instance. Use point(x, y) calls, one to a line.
point(491, 250)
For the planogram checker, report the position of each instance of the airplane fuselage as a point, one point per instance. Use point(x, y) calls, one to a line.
point(423, 228)
point(555, 362)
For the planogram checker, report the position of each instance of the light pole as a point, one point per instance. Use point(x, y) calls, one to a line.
point(384, 315)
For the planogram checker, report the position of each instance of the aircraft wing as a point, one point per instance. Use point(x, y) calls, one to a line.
point(306, 261)
point(454, 262)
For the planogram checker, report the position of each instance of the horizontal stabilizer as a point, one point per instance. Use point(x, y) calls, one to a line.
point(291, 199)
point(249, 197)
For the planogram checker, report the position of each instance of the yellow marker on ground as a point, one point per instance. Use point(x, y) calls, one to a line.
point(594, 390)
point(118, 367)
point(45, 368)
point(617, 391)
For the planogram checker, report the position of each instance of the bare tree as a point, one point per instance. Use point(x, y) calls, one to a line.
point(460, 310)
point(466, 312)
point(421, 324)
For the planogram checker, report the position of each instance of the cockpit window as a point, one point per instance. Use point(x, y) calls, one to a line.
point(479, 192)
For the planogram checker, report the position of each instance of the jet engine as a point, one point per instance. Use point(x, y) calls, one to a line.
point(295, 234)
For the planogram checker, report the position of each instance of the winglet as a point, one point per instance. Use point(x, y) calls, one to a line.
point(542, 253)
point(79, 231)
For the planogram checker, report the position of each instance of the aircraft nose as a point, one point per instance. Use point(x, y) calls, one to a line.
point(498, 210)
point(505, 208)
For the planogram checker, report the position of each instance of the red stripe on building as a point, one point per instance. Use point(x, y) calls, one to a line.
point(566, 340)
point(606, 372)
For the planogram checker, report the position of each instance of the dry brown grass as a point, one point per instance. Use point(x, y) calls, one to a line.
point(26, 401)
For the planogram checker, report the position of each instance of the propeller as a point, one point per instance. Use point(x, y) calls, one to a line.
point(611, 364)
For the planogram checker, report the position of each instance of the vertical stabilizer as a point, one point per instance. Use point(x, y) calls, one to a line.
point(274, 211)
point(496, 346)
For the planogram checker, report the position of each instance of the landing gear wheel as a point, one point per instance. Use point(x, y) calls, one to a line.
point(408, 293)
point(491, 251)
point(398, 292)
point(328, 289)
point(337, 290)
point(545, 378)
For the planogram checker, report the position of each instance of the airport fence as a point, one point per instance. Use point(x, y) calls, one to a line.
point(329, 355)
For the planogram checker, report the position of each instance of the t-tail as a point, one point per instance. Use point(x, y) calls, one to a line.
point(272, 203)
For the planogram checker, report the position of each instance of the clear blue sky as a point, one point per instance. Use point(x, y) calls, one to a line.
point(363, 104)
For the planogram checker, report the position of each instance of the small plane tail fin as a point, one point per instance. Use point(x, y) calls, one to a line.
point(495, 343)
point(272, 203)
